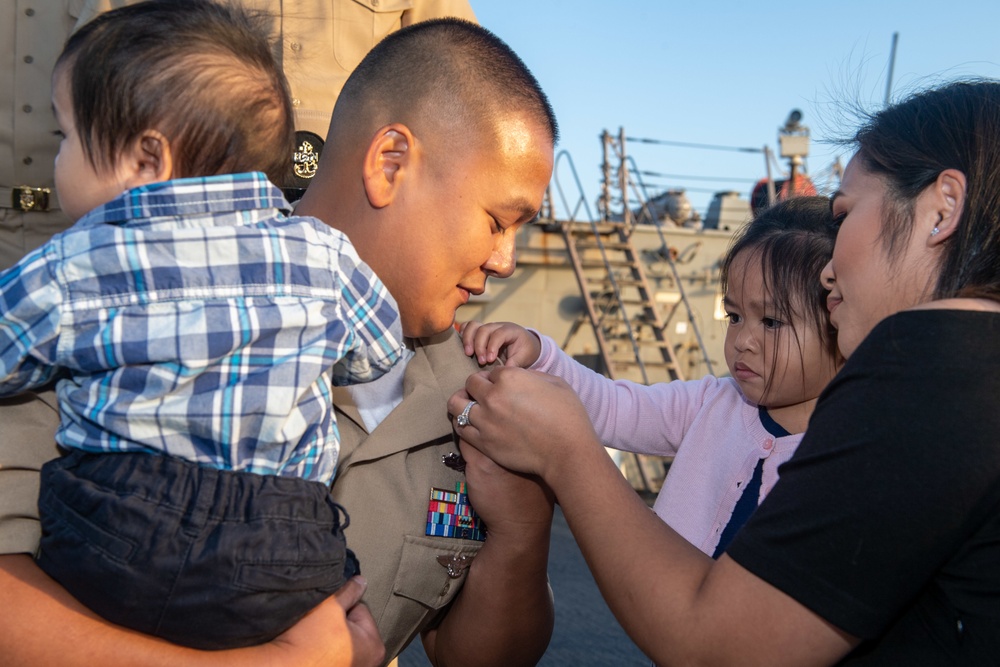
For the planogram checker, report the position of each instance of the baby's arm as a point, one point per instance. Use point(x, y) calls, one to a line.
point(30, 301)
point(370, 317)
point(514, 344)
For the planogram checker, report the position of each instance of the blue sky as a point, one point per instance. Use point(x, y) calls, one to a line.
point(728, 74)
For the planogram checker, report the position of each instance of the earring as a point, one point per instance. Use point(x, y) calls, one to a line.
point(937, 230)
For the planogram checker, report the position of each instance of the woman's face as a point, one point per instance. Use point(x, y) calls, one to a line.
point(865, 284)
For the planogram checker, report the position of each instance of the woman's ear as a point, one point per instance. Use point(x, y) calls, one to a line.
point(149, 159)
point(386, 163)
point(948, 196)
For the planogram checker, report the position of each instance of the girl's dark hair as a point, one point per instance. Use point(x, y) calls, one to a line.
point(793, 240)
point(956, 126)
point(200, 72)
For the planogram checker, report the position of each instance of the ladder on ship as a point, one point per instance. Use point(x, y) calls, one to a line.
point(618, 301)
point(631, 334)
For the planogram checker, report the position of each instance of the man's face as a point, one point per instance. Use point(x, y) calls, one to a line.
point(456, 221)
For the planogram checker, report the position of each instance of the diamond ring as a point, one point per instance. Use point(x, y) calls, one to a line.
point(463, 419)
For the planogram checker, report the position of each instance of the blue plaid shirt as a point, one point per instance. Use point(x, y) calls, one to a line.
point(193, 318)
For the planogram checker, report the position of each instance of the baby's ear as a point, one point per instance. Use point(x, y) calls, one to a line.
point(386, 162)
point(148, 159)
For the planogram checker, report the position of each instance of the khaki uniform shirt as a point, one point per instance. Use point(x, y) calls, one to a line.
point(31, 37)
point(322, 41)
point(384, 480)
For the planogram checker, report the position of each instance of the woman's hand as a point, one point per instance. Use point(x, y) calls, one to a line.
point(524, 420)
point(508, 502)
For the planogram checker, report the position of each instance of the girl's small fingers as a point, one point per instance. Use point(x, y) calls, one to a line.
point(483, 337)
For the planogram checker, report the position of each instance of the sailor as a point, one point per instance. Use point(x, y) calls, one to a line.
point(33, 35)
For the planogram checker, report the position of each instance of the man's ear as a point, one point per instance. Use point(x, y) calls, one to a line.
point(949, 190)
point(386, 163)
point(149, 159)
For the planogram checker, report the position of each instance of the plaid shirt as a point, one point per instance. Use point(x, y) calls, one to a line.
point(193, 318)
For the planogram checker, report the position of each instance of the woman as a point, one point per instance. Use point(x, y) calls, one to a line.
point(881, 543)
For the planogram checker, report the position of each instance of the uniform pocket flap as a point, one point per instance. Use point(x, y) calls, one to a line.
point(433, 586)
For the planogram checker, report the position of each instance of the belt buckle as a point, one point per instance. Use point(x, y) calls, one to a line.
point(26, 198)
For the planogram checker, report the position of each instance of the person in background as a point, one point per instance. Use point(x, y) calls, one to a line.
point(432, 201)
point(320, 42)
point(727, 435)
point(880, 544)
point(31, 37)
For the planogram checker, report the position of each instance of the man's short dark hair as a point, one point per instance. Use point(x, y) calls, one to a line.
point(445, 68)
point(201, 73)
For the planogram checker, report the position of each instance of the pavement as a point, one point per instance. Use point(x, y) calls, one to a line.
point(586, 633)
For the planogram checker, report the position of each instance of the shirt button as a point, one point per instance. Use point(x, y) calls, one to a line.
point(29, 59)
point(768, 444)
point(27, 160)
point(296, 46)
point(295, 102)
point(27, 108)
point(375, 3)
point(29, 11)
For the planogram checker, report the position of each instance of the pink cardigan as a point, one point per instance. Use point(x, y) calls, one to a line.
point(711, 429)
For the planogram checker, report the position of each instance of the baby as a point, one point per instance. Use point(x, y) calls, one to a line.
point(194, 331)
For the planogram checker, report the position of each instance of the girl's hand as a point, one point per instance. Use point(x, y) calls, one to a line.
point(512, 343)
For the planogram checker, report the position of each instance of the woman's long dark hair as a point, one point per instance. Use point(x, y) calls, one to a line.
point(956, 126)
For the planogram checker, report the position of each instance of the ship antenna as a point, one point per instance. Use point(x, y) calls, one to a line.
point(892, 64)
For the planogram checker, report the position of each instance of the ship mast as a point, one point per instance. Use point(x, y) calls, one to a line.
point(793, 143)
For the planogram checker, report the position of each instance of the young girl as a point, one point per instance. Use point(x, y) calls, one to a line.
point(728, 435)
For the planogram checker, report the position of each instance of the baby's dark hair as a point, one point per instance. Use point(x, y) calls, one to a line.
point(200, 72)
point(793, 240)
